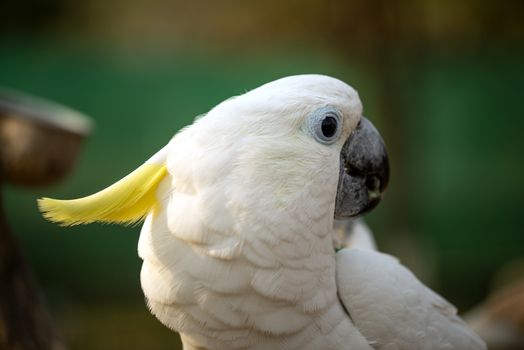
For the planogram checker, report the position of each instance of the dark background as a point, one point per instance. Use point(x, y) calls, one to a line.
point(442, 80)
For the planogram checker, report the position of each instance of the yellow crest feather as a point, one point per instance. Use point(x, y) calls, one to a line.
point(126, 202)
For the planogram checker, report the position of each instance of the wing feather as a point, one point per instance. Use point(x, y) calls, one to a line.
point(393, 309)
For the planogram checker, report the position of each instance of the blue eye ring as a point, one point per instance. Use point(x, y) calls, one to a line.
point(325, 124)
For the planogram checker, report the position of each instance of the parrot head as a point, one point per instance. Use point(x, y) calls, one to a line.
point(294, 142)
point(290, 136)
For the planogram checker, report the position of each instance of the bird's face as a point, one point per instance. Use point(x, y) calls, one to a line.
point(297, 134)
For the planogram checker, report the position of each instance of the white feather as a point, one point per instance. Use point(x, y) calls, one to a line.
point(355, 234)
point(393, 309)
point(239, 253)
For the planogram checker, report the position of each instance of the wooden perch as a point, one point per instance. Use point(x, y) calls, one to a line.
point(39, 142)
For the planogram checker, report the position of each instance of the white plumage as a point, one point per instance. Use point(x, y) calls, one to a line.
point(393, 310)
point(239, 252)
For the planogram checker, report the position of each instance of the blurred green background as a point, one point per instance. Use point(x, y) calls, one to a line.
point(442, 80)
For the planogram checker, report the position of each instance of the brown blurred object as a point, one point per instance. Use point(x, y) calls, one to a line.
point(39, 142)
point(500, 319)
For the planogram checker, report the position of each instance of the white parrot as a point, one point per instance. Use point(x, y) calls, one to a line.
point(238, 240)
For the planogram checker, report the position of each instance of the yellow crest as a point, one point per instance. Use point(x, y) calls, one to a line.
point(127, 201)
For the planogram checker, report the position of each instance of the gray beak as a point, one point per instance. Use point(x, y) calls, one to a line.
point(364, 172)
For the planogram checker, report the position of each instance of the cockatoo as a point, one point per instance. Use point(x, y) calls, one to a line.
point(238, 240)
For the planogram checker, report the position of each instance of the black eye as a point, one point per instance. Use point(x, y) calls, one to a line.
point(325, 125)
point(329, 126)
